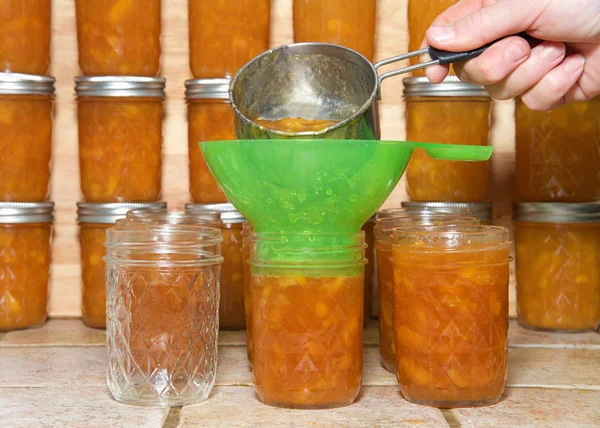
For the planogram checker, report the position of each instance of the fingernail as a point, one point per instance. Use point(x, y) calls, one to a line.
point(574, 63)
point(442, 33)
point(552, 52)
point(515, 51)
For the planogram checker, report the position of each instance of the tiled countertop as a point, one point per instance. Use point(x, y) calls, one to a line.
point(55, 377)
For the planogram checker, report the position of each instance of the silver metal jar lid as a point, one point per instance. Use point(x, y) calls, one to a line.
point(26, 84)
point(120, 86)
point(451, 86)
point(480, 210)
point(110, 212)
point(26, 212)
point(207, 89)
point(229, 214)
point(557, 212)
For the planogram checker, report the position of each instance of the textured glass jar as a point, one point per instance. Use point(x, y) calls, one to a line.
point(26, 107)
point(480, 210)
point(385, 274)
point(25, 253)
point(93, 221)
point(307, 317)
point(558, 153)
point(118, 37)
point(162, 284)
point(25, 36)
point(558, 266)
point(120, 137)
point(225, 35)
point(246, 246)
point(451, 313)
point(452, 112)
point(210, 117)
point(341, 22)
point(370, 268)
point(231, 303)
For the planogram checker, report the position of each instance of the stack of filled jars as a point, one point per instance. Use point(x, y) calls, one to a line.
point(120, 114)
point(26, 215)
point(557, 218)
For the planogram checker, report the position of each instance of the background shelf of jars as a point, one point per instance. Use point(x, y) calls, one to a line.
point(391, 39)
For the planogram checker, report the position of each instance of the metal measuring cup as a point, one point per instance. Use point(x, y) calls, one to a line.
point(320, 81)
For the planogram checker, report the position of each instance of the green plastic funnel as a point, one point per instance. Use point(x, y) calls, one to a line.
point(316, 186)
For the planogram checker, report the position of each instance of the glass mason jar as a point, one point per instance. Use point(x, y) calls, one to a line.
point(558, 266)
point(25, 252)
point(246, 245)
point(26, 150)
point(385, 273)
point(452, 112)
point(558, 153)
point(370, 268)
point(480, 210)
point(421, 14)
point(341, 22)
point(118, 37)
point(120, 137)
point(451, 313)
point(307, 318)
point(25, 36)
point(93, 221)
point(210, 118)
point(231, 304)
point(225, 35)
point(162, 312)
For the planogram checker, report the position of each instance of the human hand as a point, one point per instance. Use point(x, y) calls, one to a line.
point(563, 68)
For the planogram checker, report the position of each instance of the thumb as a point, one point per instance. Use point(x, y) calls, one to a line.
point(484, 25)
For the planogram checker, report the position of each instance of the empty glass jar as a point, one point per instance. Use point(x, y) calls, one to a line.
point(162, 312)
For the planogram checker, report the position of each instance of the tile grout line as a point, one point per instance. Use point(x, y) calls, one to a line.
point(173, 418)
point(451, 419)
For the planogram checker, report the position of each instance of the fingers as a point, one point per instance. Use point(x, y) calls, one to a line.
point(551, 90)
point(494, 20)
point(437, 73)
point(543, 59)
point(496, 63)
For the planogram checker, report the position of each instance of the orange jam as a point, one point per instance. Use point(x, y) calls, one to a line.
point(25, 249)
point(307, 334)
point(119, 37)
point(350, 24)
point(448, 119)
point(421, 14)
point(225, 35)
point(246, 230)
point(25, 147)
point(209, 119)
point(296, 124)
point(93, 304)
point(369, 269)
point(558, 153)
point(231, 306)
point(25, 36)
point(120, 147)
point(451, 314)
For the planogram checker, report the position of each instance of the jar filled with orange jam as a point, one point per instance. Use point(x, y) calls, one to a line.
point(25, 235)
point(26, 107)
point(120, 137)
point(210, 118)
point(384, 227)
point(118, 37)
point(558, 153)
point(421, 14)
point(25, 36)
point(482, 211)
point(307, 318)
point(558, 265)
point(93, 221)
point(370, 268)
point(225, 35)
point(246, 245)
point(451, 313)
point(162, 312)
point(452, 112)
point(341, 22)
point(231, 304)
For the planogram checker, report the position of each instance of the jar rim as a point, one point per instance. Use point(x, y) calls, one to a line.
point(110, 212)
point(557, 212)
point(460, 238)
point(451, 86)
point(207, 88)
point(26, 84)
point(227, 213)
point(481, 210)
point(173, 217)
point(26, 212)
point(120, 86)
